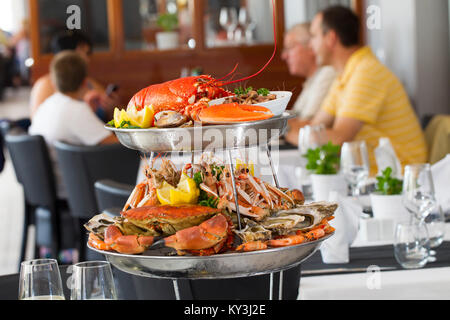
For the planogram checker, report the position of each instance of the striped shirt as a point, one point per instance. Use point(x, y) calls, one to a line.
point(370, 92)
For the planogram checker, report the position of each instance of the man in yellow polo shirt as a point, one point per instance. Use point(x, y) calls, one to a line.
point(366, 101)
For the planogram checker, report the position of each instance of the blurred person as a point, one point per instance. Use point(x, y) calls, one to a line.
point(20, 41)
point(65, 116)
point(366, 101)
point(96, 96)
point(301, 61)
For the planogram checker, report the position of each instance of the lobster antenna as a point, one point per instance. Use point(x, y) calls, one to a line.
point(229, 74)
point(273, 55)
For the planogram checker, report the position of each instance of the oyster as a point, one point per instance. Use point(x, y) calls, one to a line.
point(253, 232)
point(170, 119)
point(304, 217)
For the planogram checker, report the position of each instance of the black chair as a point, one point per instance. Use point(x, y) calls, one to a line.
point(31, 162)
point(111, 196)
point(81, 167)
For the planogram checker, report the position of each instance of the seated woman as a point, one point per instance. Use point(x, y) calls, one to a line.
point(96, 97)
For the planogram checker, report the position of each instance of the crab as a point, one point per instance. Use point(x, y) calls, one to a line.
point(136, 230)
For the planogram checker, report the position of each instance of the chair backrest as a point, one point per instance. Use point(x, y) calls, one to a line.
point(82, 166)
point(111, 194)
point(31, 162)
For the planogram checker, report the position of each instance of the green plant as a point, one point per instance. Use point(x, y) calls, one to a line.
point(388, 185)
point(324, 159)
point(168, 21)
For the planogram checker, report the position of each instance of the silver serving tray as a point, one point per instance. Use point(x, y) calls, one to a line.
point(156, 264)
point(204, 138)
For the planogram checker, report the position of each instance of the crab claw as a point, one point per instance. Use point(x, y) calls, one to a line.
point(204, 236)
point(132, 244)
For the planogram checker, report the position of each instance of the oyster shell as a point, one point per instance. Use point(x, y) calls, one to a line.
point(253, 232)
point(304, 217)
point(99, 223)
point(170, 119)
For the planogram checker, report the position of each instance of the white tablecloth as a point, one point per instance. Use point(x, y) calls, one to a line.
point(421, 284)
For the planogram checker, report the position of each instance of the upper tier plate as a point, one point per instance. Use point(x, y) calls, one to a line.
point(206, 138)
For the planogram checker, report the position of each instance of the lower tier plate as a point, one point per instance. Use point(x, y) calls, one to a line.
point(156, 264)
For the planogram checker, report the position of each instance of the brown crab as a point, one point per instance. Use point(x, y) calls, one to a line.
point(136, 229)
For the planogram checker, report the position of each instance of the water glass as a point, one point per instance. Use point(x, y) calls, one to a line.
point(40, 279)
point(93, 280)
point(418, 191)
point(411, 245)
point(355, 164)
point(311, 137)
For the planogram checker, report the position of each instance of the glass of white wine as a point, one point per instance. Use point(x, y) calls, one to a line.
point(40, 280)
point(93, 280)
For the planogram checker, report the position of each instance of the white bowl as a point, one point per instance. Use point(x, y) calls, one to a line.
point(277, 106)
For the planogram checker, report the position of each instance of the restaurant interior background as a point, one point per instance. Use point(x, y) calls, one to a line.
point(412, 39)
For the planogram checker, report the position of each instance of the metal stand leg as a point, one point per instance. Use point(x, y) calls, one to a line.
point(275, 180)
point(274, 175)
point(230, 159)
point(176, 289)
point(271, 287)
point(280, 287)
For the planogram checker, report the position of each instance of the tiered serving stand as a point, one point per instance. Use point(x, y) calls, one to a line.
point(156, 263)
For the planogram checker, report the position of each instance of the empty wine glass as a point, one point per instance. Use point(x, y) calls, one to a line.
point(435, 223)
point(246, 23)
point(93, 280)
point(418, 191)
point(411, 245)
point(228, 19)
point(310, 137)
point(355, 164)
point(40, 280)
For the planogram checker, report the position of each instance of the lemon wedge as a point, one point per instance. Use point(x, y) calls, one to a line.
point(142, 118)
point(119, 117)
point(163, 193)
point(185, 193)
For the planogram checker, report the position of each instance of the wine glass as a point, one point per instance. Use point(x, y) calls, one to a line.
point(411, 245)
point(309, 137)
point(246, 23)
point(228, 19)
point(418, 191)
point(435, 223)
point(40, 280)
point(93, 280)
point(355, 164)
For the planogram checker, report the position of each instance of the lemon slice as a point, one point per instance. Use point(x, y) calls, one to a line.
point(142, 118)
point(188, 186)
point(178, 197)
point(163, 193)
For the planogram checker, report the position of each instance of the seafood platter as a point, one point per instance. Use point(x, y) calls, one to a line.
point(185, 224)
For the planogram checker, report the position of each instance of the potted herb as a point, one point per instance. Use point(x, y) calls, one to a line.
point(168, 38)
point(323, 164)
point(387, 200)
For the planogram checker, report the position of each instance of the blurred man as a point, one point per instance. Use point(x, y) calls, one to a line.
point(96, 97)
point(366, 101)
point(301, 62)
point(64, 116)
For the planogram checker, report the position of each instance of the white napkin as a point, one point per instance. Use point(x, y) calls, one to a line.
point(385, 156)
point(441, 176)
point(346, 222)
